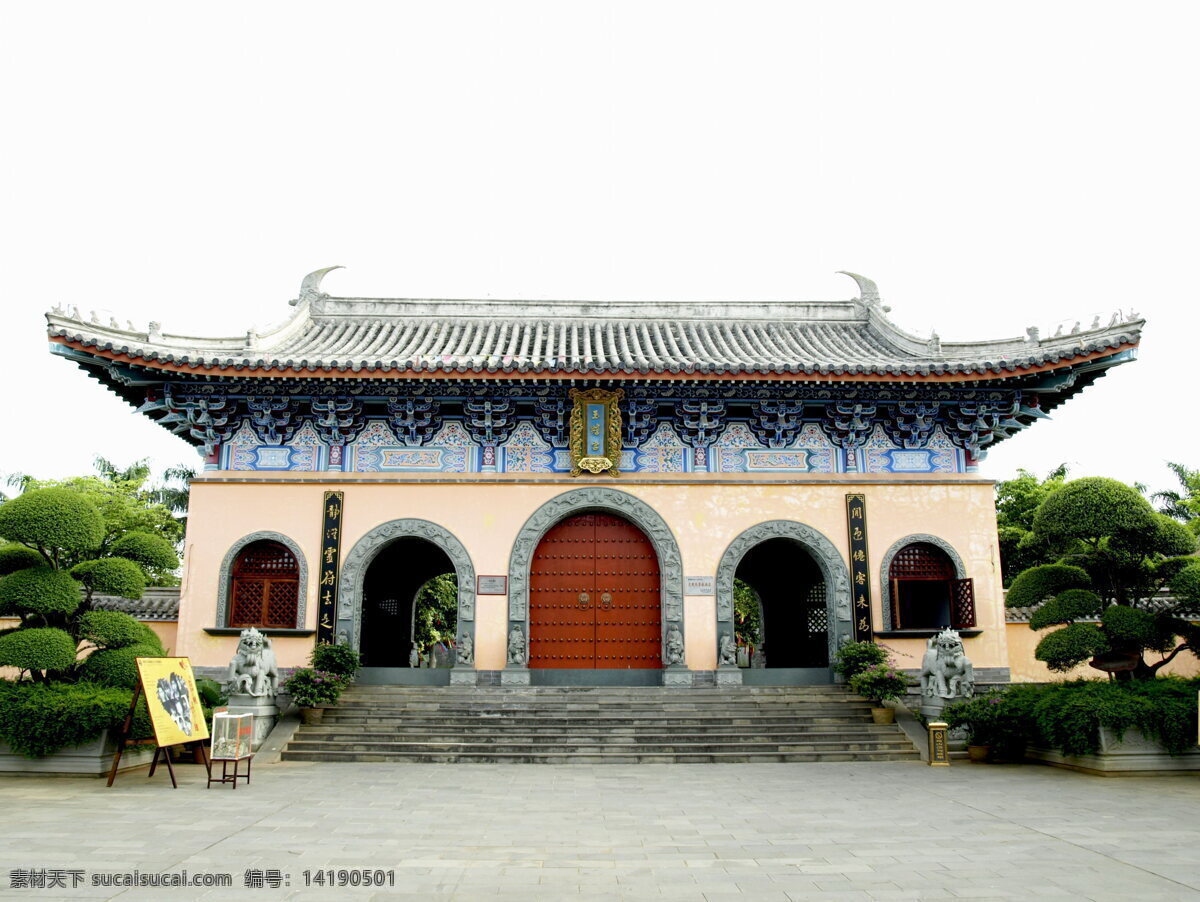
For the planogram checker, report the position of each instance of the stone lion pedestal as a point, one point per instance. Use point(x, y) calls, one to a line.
point(946, 674)
point(252, 682)
point(265, 711)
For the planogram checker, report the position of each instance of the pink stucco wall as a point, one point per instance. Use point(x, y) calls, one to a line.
point(705, 514)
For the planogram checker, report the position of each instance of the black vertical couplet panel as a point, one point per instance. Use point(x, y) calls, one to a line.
point(860, 575)
point(331, 559)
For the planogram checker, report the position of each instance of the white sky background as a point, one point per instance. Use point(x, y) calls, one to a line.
point(990, 166)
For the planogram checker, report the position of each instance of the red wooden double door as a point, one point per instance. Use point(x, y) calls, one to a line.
point(594, 597)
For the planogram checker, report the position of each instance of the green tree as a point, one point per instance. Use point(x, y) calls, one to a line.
point(1182, 505)
point(747, 614)
point(1114, 553)
point(1017, 500)
point(50, 594)
point(436, 616)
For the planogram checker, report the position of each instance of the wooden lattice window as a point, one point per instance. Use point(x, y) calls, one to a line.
point(266, 586)
point(926, 592)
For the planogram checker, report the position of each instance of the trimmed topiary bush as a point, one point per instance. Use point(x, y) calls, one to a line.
point(1036, 584)
point(38, 649)
point(111, 629)
point(151, 551)
point(40, 719)
point(55, 518)
point(1090, 509)
point(111, 576)
point(14, 557)
point(39, 591)
point(1066, 607)
point(1125, 624)
point(117, 666)
point(1186, 587)
point(1070, 646)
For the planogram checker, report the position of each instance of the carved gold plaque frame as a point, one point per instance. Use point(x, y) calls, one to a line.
point(610, 461)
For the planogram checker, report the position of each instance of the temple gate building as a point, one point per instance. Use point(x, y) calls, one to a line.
point(596, 475)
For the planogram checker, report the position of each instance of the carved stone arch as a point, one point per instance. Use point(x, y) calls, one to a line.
point(829, 560)
point(226, 573)
point(583, 500)
point(885, 568)
point(354, 571)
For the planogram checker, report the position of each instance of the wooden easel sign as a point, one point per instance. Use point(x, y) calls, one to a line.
point(169, 687)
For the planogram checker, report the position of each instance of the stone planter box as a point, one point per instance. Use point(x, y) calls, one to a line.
point(92, 759)
point(1136, 755)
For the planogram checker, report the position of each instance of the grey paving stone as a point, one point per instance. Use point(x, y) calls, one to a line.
point(766, 831)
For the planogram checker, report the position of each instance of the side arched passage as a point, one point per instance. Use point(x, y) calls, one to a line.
point(824, 556)
point(365, 550)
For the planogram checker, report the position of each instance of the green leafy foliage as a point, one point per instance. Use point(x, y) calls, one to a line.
point(747, 614)
point(436, 614)
point(340, 660)
point(1125, 625)
point(111, 629)
point(117, 666)
point(111, 576)
point(1092, 509)
point(153, 552)
point(36, 719)
point(311, 688)
point(1186, 586)
point(1016, 502)
point(52, 518)
point(38, 649)
point(39, 592)
point(124, 506)
point(1066, 607)
point(14, 557)
point(855, 657)
point(988, 720)
point(1068, 717)
point(881, 682)
point(1045, 581)
point(212, 695)
point(1070, 646)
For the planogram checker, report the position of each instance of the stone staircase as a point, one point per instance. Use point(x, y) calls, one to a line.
point(596, 725)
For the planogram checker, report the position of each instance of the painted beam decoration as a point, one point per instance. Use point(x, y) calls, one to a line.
point(596, 442)
point(860, 575)
point(331, 553)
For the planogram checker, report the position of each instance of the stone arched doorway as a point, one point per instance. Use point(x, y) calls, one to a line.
point(602, 500)
point(594, 597)
point(805, 588)
point(413, 550)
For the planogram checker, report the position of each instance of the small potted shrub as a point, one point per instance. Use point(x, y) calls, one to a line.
point(881, 683)
point(340, 660)
point(983, 718)
point(855, 657)
point(312, 690)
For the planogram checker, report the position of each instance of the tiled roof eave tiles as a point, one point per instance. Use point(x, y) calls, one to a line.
point(268, 368)
point(569, 339)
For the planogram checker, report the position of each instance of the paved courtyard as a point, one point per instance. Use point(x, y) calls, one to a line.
point(710, 832)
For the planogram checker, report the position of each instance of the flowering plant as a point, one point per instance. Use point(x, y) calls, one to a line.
point(984, 718)
point(313, 688)
point(881, 682)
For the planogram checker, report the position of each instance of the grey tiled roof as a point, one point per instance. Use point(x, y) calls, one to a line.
point(156, 603)
point(852, 337)
point(1023, 614)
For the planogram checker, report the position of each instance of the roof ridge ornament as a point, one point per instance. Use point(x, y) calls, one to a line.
point(868, 291)
point(310, 288)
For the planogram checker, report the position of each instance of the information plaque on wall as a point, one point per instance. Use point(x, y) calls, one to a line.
point(331, 553)
point(860, 575)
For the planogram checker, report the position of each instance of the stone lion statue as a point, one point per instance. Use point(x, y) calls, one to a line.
point(253, 670)
point(945, 670)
